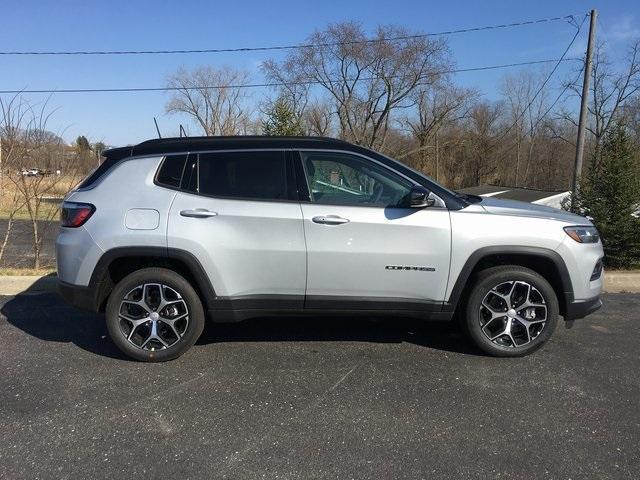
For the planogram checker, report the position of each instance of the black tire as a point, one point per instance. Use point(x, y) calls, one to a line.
point(474, 314)
point(193, 326)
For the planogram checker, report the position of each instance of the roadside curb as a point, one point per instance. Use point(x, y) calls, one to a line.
point(614, 282)
point(622, 282)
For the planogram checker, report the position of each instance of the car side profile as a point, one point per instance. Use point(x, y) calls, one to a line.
point(170, 232)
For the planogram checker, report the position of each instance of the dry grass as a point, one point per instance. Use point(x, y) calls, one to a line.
point(55, 188)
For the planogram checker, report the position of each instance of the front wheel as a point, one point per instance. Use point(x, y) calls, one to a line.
point(511, 311)
point(154, 315)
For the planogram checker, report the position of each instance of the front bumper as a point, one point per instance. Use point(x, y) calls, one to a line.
point(582, 308)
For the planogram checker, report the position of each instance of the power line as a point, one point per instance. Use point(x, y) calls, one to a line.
point(551, 107)
point(275, 84)
point(544, 84)
point(568, 18)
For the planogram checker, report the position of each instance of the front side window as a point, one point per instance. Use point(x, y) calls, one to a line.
point(345, 179)
point(260, 175)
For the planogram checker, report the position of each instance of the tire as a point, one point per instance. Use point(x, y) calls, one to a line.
point(154, 315)
point(529, 321)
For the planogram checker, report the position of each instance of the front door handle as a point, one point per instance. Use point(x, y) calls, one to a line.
point(198, 213)
point(330, 220)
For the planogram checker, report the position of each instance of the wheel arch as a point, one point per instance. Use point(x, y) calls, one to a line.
point(544, 261)
point(118, 262)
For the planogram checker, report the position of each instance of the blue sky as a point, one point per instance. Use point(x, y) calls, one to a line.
point(124, 118)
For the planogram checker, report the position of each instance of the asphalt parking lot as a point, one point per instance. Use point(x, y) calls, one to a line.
point(19, 249)
point(317, 398)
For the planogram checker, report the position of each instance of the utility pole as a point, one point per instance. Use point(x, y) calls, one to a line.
point(582, 122)
point(437, 155)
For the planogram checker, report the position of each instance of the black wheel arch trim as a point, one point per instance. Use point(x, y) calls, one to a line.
point(534, 252)
point(101, 285)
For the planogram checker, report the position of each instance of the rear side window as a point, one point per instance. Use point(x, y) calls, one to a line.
point(170, 173)
point(260, 175)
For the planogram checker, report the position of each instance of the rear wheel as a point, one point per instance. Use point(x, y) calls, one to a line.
point(154, 315)
point(511, 311)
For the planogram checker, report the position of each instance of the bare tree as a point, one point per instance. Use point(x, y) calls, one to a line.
point(13, 112)
point(12, 116)
point(437, 107)
point(631, 118)
point(30, 145)
point(610, 91)
point(317, 118)
point(213, 98)
point(291, 83)
point(483, 125)
point(517, 91)
point(366, 79)
point(527, 105)
point(11, 204)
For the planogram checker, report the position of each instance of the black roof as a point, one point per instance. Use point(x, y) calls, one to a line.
point(194, 144)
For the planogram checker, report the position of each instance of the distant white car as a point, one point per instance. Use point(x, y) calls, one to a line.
point(34, 172)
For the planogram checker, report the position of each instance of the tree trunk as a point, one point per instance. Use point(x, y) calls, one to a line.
point(36, 243)
point(7, 233)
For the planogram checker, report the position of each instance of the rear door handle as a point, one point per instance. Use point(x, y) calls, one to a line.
point(330, 220)
point(198, 213)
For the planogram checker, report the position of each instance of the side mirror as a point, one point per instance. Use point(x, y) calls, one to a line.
point(419, 197)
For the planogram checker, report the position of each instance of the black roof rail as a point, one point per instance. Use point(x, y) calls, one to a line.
point(188, 144)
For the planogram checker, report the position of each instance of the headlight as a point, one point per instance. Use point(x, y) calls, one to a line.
point(583, 234)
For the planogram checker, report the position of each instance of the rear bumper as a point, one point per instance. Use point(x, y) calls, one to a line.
point(79, 296)
point(582, 308)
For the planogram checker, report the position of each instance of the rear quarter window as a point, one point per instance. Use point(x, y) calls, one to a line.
point(171, 170)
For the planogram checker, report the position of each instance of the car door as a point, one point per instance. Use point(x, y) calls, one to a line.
point(365, 248)
point(238, 215)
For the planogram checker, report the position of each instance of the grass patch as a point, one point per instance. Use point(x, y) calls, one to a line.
point(52, 189)
point(25, 272)
point(46, 212)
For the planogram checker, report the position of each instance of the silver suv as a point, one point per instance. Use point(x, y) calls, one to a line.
point(171, 231)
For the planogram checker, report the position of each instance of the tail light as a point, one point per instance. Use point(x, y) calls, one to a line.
point(74, 214)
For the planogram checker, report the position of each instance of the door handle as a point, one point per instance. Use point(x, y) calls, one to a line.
point(198, 213)
point(330, 220)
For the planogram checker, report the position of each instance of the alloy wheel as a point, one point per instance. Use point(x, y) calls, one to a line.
point(513, 314)
point(153, 316)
